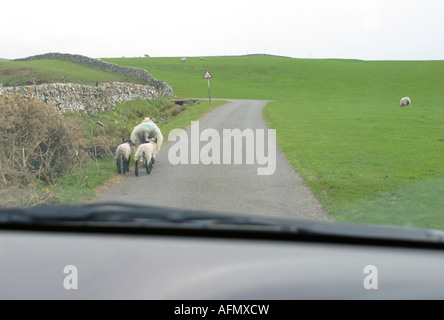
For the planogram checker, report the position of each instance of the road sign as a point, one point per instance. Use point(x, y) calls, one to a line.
point(207, 75)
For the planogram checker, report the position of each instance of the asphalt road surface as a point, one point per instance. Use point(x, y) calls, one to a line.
point(222, 187)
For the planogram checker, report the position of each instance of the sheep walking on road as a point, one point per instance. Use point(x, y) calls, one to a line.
point(145, 156)
point(145, 131)
point(123, 156)
point(405, 102)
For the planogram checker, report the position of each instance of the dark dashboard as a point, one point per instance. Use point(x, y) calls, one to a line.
point(55, 264)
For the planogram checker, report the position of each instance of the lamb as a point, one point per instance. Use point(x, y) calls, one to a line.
point(145, 131)
point(405, 102)
point(145, 156)
point(123, 154)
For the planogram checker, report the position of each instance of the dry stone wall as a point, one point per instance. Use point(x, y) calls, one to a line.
point(67, 97)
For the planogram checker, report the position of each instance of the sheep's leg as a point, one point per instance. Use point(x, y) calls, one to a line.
point(119, 169)
point(125, 169)
point(137, 168)
point(127, 162)
point(147, 167)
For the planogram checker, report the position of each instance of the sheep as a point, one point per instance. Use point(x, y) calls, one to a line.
point(183, 60)
point(145, 156)
point(123, 154)
point(147, 130)
point(405, 102)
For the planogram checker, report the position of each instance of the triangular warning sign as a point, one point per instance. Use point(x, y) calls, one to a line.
point(207, 75)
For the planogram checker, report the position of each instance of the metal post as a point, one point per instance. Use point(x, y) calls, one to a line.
point(209, 93)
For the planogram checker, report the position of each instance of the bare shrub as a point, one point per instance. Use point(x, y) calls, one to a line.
point(14, 196)
point(36, 142)
point(101, 145)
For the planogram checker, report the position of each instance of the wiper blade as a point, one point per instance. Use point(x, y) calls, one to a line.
point(124, 214)
point(118, 212)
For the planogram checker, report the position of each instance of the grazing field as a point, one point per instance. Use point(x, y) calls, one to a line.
point(340, 125)
point(20, 73)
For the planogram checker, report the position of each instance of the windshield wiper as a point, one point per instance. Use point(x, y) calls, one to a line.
point(139, 216)
point(119, 212)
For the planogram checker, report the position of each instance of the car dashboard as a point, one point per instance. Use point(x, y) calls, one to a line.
point(192, 266)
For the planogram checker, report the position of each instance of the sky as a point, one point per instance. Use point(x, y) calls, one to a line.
point(343, 29)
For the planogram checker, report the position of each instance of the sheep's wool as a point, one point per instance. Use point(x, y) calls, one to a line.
point(151, 127)
point(144, 130)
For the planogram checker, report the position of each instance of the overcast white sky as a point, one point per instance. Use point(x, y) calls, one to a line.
point(369, 29)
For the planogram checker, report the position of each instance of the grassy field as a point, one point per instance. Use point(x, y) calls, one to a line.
point(18, 73)
point(340, 125)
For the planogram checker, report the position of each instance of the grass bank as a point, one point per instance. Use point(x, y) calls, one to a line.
point(20, 73)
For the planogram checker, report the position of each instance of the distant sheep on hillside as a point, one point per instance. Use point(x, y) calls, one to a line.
point(405, 102)
point(183, 60)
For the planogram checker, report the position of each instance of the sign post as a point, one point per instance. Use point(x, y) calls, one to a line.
point(208, 76)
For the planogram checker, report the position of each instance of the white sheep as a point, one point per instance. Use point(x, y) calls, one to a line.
point(145, 131)
point(145, 156)
point(123, 155)
point(183, 60)
point(405, 102)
